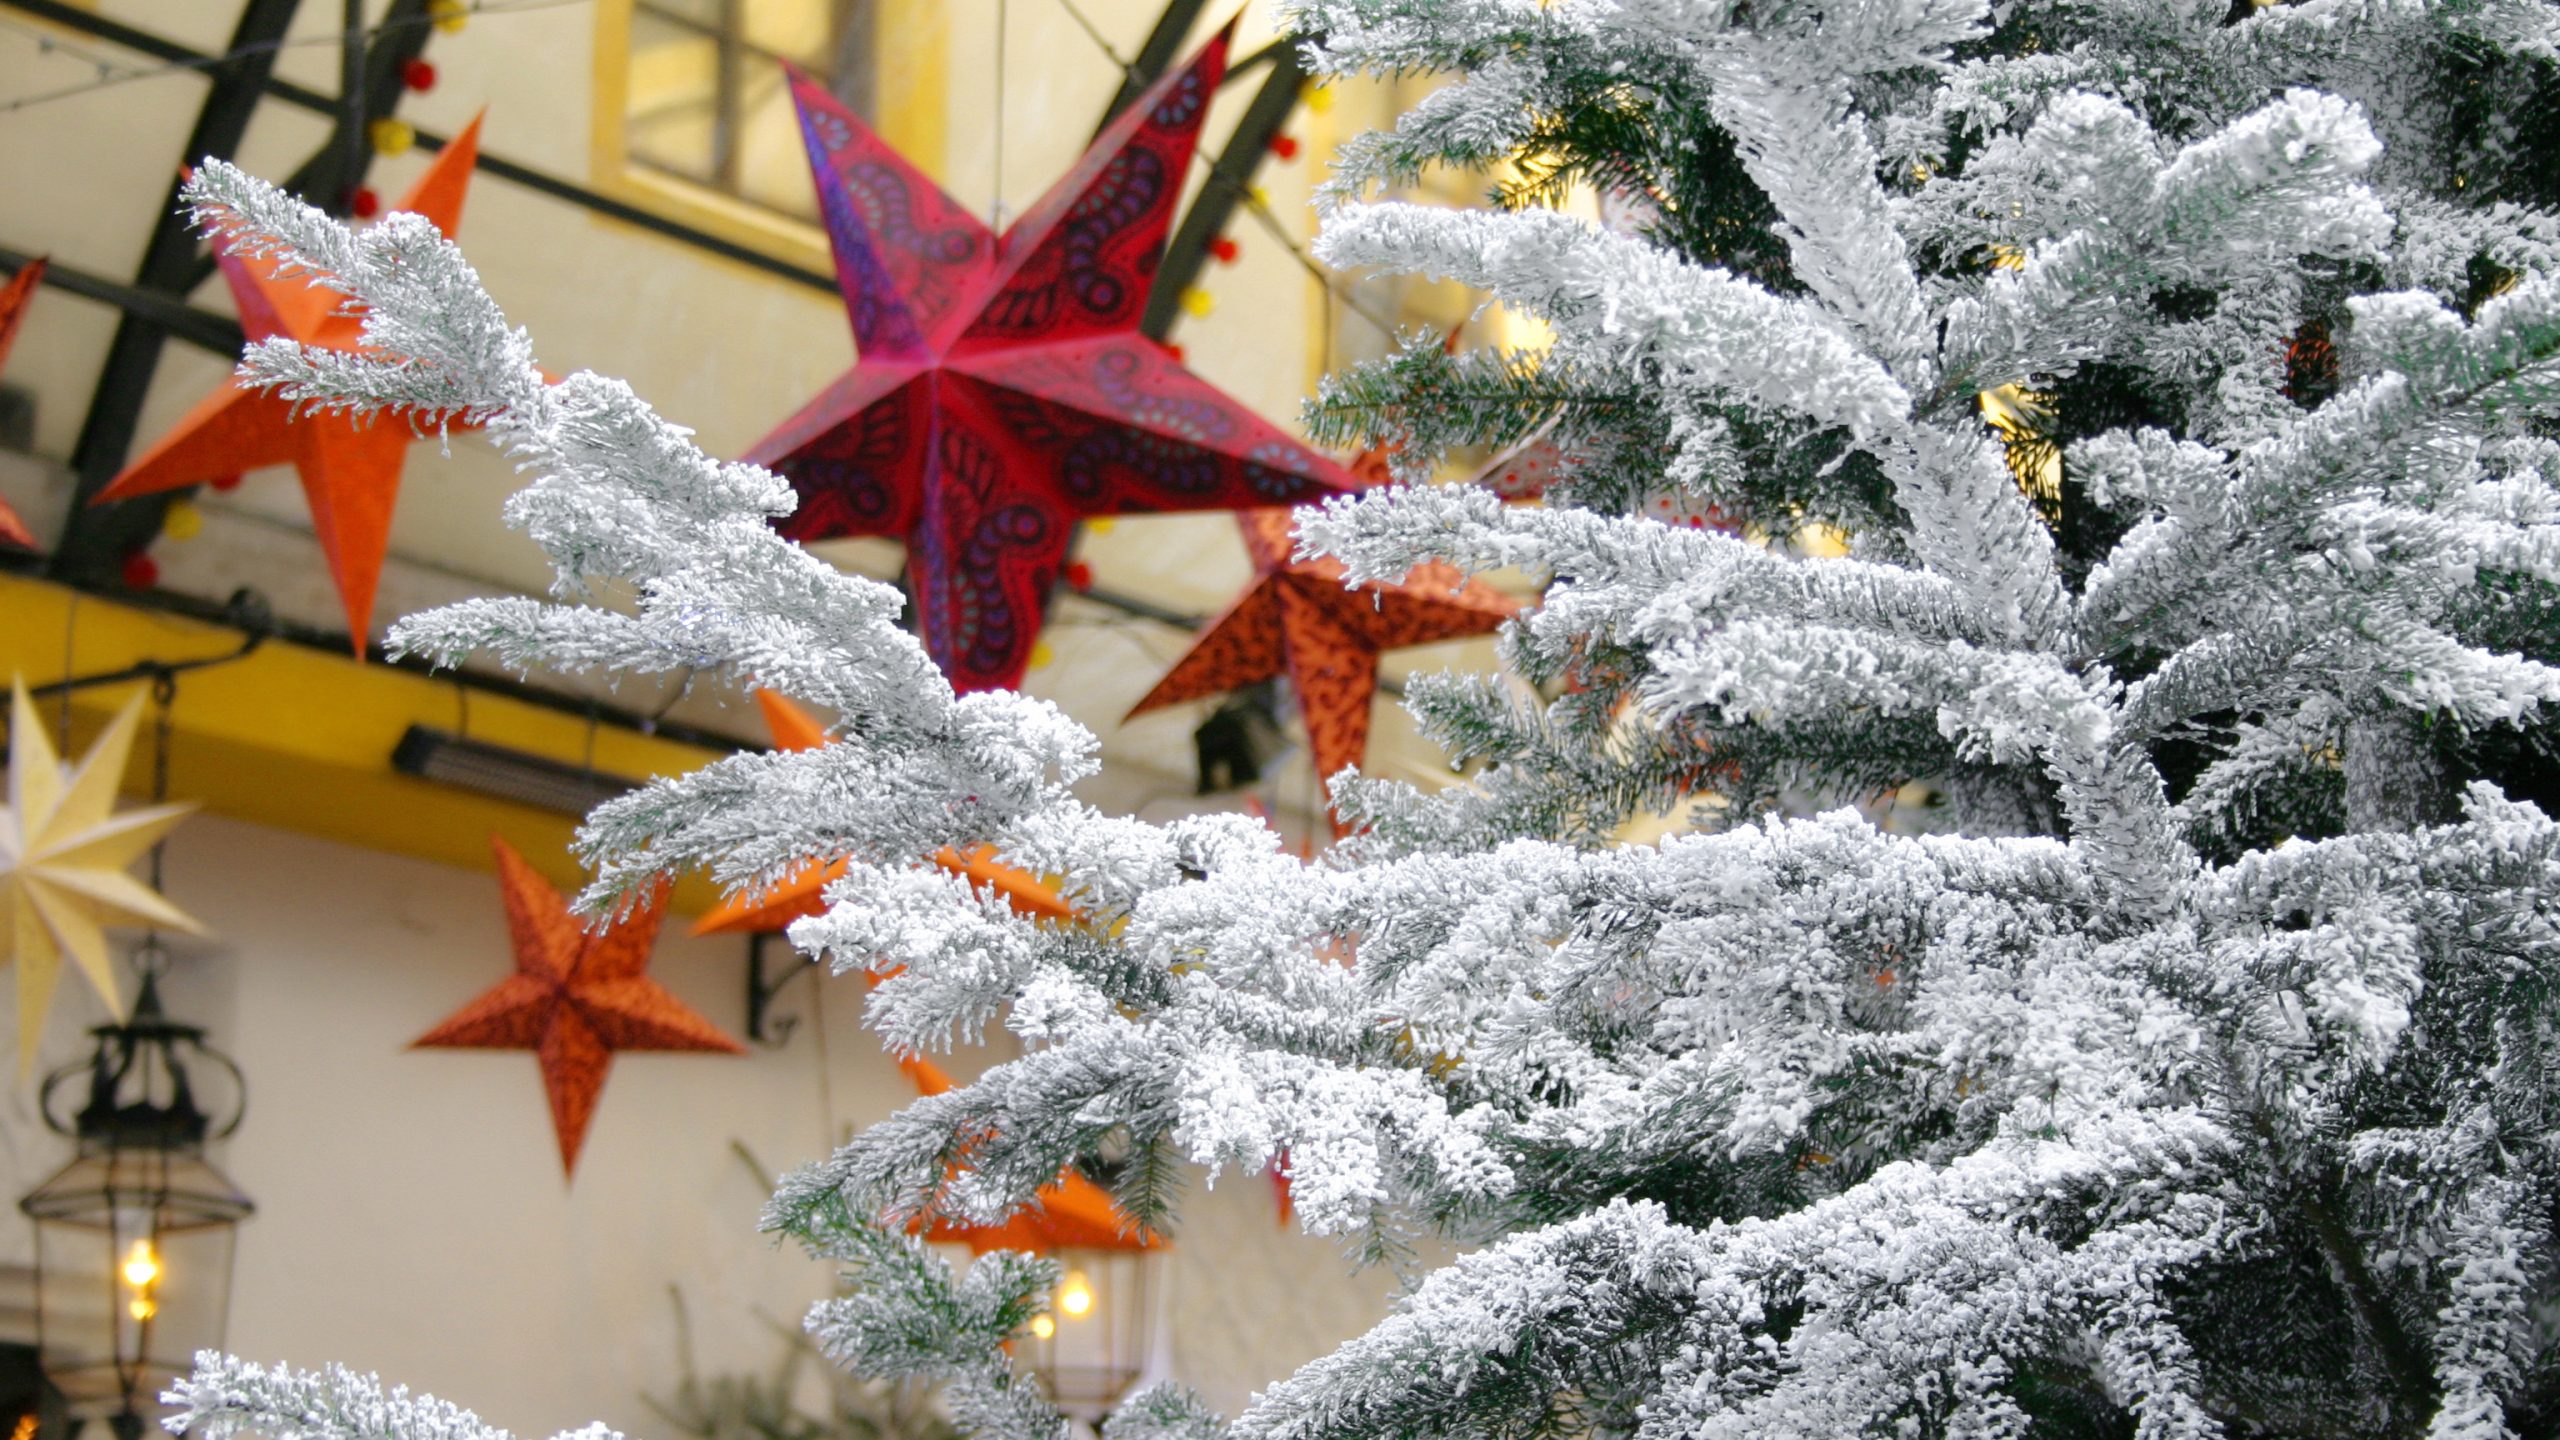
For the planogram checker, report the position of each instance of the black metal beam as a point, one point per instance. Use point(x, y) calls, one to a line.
point(217, 333)
point(93, 544)
point(1230, 177)
point(1156, 56)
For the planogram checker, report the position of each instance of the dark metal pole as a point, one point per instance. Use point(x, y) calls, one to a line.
point(351, 127)
point(88, 551)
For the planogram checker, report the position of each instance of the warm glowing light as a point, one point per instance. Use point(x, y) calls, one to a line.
point(1076, 1296)
point(143, 1307)
point(1043, 1326)
point(141, 1266)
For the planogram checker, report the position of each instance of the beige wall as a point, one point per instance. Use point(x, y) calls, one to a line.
point(412, 1218)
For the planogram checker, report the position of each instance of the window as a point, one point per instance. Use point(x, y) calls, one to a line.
point(693, 109)
point(707, 101)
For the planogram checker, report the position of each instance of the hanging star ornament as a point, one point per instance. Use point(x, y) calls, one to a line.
point(350, 469)
point(1298, 619)
point(14, 298)
point(575, 998)
point(63, 853)
point(1002, 390)
point(804, 892)
point(1071, 1212)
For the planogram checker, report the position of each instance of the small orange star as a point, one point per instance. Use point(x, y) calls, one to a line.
point(13, 308)
point(1297, 619)
point(350, 469)
point(801, 894)
point(576, 997)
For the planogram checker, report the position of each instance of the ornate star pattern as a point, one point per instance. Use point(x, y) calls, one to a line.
point(1002, 390)
point(350, 470)
point(63, 853)
point(575, 998)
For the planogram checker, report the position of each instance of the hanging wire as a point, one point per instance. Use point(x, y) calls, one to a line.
point(995, 210)
point(70, 649)
point(112, 72)
point(150, 959)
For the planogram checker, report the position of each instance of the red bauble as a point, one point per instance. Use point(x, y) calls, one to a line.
point(364, 203)
point(1079, 577)
point(1225, 249)
point(140, 572)
point(1002, 391)
point(225, 483)
point(418, 75)
point(1284, 146)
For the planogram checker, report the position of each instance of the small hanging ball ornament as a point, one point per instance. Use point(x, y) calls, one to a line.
point(1197, 303)
point(1225, 250)
point(1041, 655)
point(182, 521)
point(418, 75)
point(225, 483)
point(1260, 197)
point(1319, 98)
point(140, 571)
point(1285, 146)
point(1100, 524)
point(363, 203)
point(1176, 351)
point(1079, 577)
point(392, 135)
point(449, 15)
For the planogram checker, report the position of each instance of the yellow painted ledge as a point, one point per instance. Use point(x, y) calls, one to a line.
point(301, 739)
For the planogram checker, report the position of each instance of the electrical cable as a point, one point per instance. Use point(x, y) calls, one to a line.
point(112, 72)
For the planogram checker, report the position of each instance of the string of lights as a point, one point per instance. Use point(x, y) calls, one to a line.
point(113, 72)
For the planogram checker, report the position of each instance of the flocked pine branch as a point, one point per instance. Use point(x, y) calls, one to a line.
point(2196, 1079)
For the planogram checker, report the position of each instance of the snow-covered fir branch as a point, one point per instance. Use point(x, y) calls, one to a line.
point(2196, 1074)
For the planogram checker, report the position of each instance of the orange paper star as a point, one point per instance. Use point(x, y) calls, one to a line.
point(793, 728)
point(350, 469)
point(1298, 619)
point(576, 998)
point(1073, 1213)
point(13, 308)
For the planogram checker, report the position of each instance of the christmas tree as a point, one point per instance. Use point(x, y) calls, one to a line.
point(2180, 383)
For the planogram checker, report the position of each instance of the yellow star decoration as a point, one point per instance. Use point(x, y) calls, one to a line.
point(63, 853)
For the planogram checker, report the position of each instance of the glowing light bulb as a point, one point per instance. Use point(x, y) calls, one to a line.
point(1043, 1327)
point(141, 1266)
point(143, 1307)
point(1075, 1297)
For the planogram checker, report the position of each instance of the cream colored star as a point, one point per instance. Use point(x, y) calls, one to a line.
point(63, 853)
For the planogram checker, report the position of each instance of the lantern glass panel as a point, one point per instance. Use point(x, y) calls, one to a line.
point(133, 1267)
point(1097, 1342)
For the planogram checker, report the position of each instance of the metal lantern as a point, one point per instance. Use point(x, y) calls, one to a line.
point(1097, 1336)
point(134, 1236)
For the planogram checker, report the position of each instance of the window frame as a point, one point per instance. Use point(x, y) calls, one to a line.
point(909, 99)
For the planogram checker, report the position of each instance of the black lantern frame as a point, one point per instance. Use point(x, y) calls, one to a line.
point(134, 1237)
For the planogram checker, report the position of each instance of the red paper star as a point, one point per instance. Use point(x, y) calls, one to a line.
point(576, 998)
point(1003, 391)
point(350, 470)
point(1298, 618)
point(13, 308)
